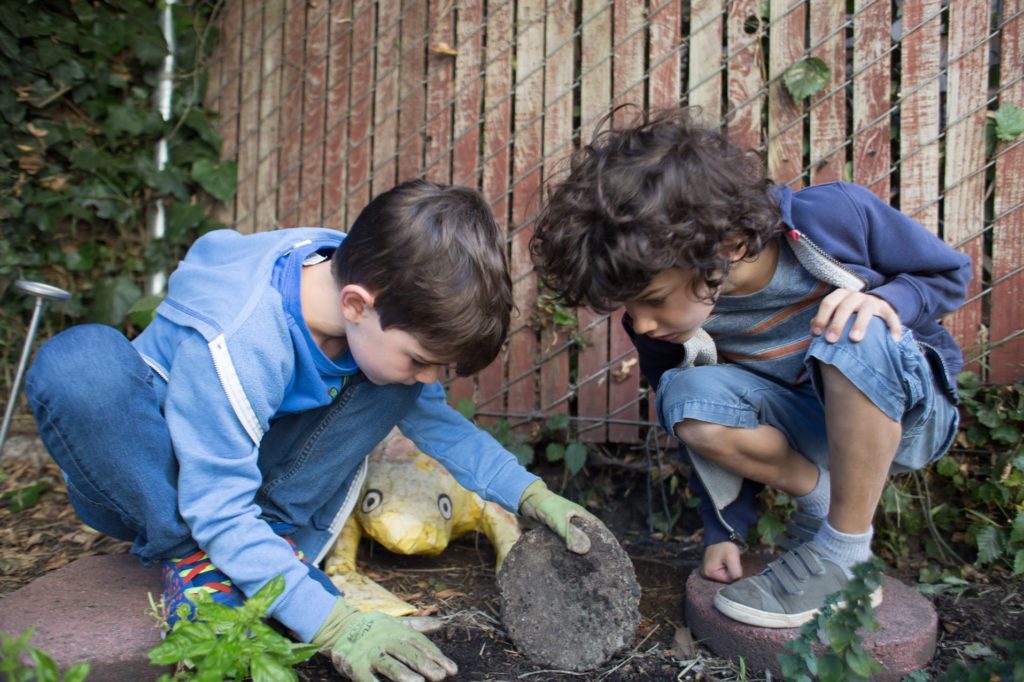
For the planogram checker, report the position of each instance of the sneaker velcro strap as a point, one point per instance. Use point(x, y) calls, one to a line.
point(795, 567)
point(801, 528)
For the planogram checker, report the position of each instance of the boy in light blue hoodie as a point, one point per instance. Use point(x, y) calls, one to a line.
point(227, 441)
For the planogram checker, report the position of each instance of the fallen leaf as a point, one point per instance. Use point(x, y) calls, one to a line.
point(445, 49)
point(448, 594)
point(428, 610)
point(409, 596)
point(683, 643)
point(38, 132)
point(54, 182)
point(31, 164)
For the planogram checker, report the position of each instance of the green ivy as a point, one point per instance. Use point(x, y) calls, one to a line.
point(78, 137)
point(838, 632)
point(15, 654)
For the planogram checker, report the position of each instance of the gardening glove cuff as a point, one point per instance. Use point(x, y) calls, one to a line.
point(369, 646)
point(556, 512)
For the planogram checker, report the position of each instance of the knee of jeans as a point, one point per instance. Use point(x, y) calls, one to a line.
point(78, 363)
point(876, 339)
point(703, 437)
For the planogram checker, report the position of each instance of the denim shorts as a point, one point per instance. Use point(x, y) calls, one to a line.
point(895, 375)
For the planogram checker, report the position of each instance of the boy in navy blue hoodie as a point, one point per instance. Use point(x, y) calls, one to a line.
point(791, 338)
point(228, 440)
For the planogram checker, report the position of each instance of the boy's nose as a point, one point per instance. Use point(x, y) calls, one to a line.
point(643, 325)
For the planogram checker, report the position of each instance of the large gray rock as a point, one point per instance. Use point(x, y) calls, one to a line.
point(565, 610)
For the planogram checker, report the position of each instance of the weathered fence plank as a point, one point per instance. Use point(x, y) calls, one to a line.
point(496, 155)
point(440, 79)
point(412, 104)
point(272, 54)
point(921, 55)
point(337, 121)
point(872, 27)
point(745, 95)
point(965, 154)
point(595, 96)
point(290, 158)
point(629, 38)
point(313, 115)
point(385, 97)
point(705, 63)
point(785, 117)
point(1007, 359)
point(828, 108)
point(558, 80)
point(249, 116)
point(361, 115)
point(664, 77)
point(526, 181)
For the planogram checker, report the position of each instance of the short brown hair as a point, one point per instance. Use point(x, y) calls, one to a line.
point(663, 193)
point(433, 257)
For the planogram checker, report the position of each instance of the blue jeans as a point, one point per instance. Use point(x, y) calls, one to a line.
point(897, 376)
point(98, 408)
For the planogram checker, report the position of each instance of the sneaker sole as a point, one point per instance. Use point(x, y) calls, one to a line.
point(766, 619)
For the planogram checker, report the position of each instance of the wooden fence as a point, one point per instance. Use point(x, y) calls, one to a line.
point(325, 103)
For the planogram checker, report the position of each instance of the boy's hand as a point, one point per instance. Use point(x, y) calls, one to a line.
point(722, 562)
point(836, 308)
point(556, 512)
point(364, 645)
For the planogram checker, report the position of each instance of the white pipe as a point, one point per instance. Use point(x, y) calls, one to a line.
point(156, 217)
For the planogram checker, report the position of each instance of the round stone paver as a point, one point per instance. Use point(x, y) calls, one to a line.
point(569, 611)
point(94, 610)
point(904, 642)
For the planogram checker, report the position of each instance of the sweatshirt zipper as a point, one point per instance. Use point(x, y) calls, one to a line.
point(798, 236)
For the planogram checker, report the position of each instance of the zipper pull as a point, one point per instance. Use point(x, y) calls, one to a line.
point(794, 234)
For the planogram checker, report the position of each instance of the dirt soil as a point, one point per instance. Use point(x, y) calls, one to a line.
point(459, 588)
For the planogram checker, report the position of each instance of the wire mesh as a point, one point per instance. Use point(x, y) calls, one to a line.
point(325, 103)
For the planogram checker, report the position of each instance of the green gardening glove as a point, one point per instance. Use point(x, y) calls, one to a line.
point(556, 512)
point(363, 645)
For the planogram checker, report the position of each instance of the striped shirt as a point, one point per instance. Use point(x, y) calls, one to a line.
point(768, 331)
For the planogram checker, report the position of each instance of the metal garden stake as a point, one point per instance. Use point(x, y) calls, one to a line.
point(42, 293)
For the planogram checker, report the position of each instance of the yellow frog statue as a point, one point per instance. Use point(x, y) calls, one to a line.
point(410, 504)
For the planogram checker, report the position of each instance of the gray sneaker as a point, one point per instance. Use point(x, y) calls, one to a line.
point(788, 593)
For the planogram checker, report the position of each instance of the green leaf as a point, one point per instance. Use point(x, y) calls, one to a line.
point(576, 457)
point(25, 497)
point(46, 669)
point(183, 216)
point(989, 545)
point(807, 77)
point(947, 466)
point(266, 669)
point(77, 672)
point(467, 408)
point(113, 298)
point(557, 422)
point(977, 650)
point(1009, 120)
point(1017, 533)
point(143, 311)
point(1018, 562)
point(219, 179)
point(554, 452)
point(524, 453)
point(1006, 433)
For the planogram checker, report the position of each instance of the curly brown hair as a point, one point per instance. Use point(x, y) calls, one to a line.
point(663, 193)
point(434, 258)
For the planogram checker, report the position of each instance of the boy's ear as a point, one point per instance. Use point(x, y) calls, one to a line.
point(734, 250)
point(355, 301)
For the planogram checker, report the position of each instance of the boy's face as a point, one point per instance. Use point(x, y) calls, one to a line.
point(388, 356)
point(668, 309)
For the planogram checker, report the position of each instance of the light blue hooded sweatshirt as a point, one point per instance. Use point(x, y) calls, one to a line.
point(221, 342)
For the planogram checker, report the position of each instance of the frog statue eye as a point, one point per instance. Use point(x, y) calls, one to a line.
point(444, 503)
point(371, 500)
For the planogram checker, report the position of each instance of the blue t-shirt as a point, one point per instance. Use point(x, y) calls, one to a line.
point(315, 373)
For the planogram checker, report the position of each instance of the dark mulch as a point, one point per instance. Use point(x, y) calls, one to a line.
point(459, 588)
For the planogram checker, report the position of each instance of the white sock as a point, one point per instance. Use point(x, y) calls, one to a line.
point(846, 549)
point(816, 502)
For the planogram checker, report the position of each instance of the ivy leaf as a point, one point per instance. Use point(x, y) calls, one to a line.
point(1018, 562)
point(524, 453)
point(219, 179)
point(183, 216)
point(143, 311)
point(575, 457)
point(554, 452)
point(1017, 534)
point(807, 77)
point(1006, 433)
point(989, 547)
point(1009, 120)
point(113, 298)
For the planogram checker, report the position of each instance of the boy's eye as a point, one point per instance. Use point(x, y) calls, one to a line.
point(655, 302)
